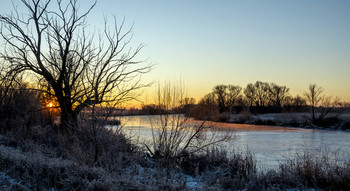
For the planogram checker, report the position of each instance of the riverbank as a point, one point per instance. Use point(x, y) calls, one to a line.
point(297, 120)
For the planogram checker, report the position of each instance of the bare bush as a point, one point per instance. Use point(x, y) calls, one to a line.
point(20, 107)
point(175, 136)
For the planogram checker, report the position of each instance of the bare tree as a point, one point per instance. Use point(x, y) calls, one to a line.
point(206, 108)
point(220, 92)
point(314, 96)
point(257, 94)
point(52, 42)
point(327, 107)
point(226, 96)
point(278, 95)
point(250, 94)
point(208, 99)
point(262, 89)
point(297, 103)
point(189, 101)
point(233, 96)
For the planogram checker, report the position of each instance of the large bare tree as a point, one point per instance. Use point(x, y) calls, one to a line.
point(52, 41)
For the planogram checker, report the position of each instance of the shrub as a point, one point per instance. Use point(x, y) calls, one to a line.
point(19, 108)
point(306, 169)
point(326, 122)
point(232, 171)
point(175, 136)
point(346, 125)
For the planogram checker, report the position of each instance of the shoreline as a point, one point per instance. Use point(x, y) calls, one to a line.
point(293, 120)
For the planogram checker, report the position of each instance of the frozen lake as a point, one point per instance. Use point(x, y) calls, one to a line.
point(269, 144)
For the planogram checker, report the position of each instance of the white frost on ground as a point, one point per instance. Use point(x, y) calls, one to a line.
point(193, 183)
point(279, 118)
point(142, 174)
point(8, 183)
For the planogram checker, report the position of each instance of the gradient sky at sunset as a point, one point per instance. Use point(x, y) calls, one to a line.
point(205, 43)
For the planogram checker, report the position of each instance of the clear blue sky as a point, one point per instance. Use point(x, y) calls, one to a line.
point(205, 43)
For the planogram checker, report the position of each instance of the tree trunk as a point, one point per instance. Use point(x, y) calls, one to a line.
point(69, 118)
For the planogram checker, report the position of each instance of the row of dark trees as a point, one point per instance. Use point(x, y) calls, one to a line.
point(260, 97)
point(257, 98)
point(263, 97)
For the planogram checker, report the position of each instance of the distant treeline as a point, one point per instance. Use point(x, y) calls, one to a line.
point(260, 97)
point(255, 98)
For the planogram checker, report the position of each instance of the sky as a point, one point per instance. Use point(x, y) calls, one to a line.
point(205, 42)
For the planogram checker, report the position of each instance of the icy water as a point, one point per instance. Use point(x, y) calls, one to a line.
point(269, 144)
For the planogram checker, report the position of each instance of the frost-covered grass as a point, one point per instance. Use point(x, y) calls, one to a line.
point(271, 118)
point(34, 171)
point(42, 160)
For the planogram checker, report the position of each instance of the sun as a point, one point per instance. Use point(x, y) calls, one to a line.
point(50, 104)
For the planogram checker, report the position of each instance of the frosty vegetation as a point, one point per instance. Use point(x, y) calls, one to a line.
point(55, 126)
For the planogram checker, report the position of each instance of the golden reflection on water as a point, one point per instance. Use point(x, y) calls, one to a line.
point(247, 127)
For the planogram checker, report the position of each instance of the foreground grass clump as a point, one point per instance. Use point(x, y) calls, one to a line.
point(308, 169)
point(232, 172)
point(317, 170)
point(320, 170)
point(34, 171)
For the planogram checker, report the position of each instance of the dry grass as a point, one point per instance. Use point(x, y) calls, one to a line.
point(43, 166)
point(321, 169)
point(41, 158)
point(34, 171)
point(316, 170)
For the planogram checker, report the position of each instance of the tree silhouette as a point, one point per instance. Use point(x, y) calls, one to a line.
point(314, 96)
point(277, 96)
point(52, 42)
point(233, 96)
point(257, 94)
point(220, 92)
